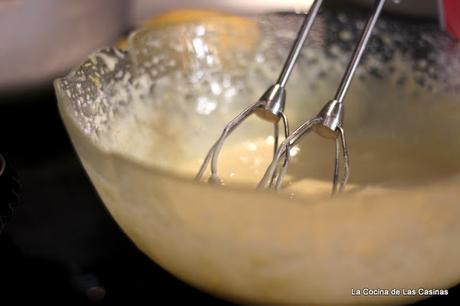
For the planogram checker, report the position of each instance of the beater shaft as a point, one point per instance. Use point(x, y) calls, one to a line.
point(297, 47)
point(329, 122)
point(359, 51)
point(270, 105)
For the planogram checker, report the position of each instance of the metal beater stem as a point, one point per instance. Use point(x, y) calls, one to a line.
point(359, 50)
point(328, 123)
point(297, 47)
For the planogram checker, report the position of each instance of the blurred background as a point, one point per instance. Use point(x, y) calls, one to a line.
point(60, 244)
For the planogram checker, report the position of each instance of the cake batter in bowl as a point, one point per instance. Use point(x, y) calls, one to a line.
point(141, 119)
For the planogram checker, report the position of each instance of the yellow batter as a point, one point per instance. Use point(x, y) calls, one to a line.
point(268, 249)
point(244, 163)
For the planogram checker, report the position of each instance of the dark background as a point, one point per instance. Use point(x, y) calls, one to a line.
point(61, 245)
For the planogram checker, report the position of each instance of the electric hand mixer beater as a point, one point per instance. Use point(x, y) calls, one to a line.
point(271, 104)
point(329, 122)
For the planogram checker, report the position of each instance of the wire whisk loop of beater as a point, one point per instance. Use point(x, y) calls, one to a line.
point(328, 123)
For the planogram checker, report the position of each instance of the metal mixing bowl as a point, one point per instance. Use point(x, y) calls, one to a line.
point(402, 118)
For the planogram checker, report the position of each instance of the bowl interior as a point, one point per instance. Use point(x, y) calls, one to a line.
point(165, 100)
point(142, 119)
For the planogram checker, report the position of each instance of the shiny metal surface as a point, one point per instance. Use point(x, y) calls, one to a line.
point(329, 122)
point(358, 53)
point(270, 105)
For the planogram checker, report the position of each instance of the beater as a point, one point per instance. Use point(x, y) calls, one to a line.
point(270, 105)
point(329, 121)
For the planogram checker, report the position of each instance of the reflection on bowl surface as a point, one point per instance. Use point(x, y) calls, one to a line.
point(141, 121)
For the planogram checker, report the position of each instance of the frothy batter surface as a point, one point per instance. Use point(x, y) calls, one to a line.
point(245, 163)
point(396, 131)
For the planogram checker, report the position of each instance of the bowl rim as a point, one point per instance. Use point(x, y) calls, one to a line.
point(176, 175)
